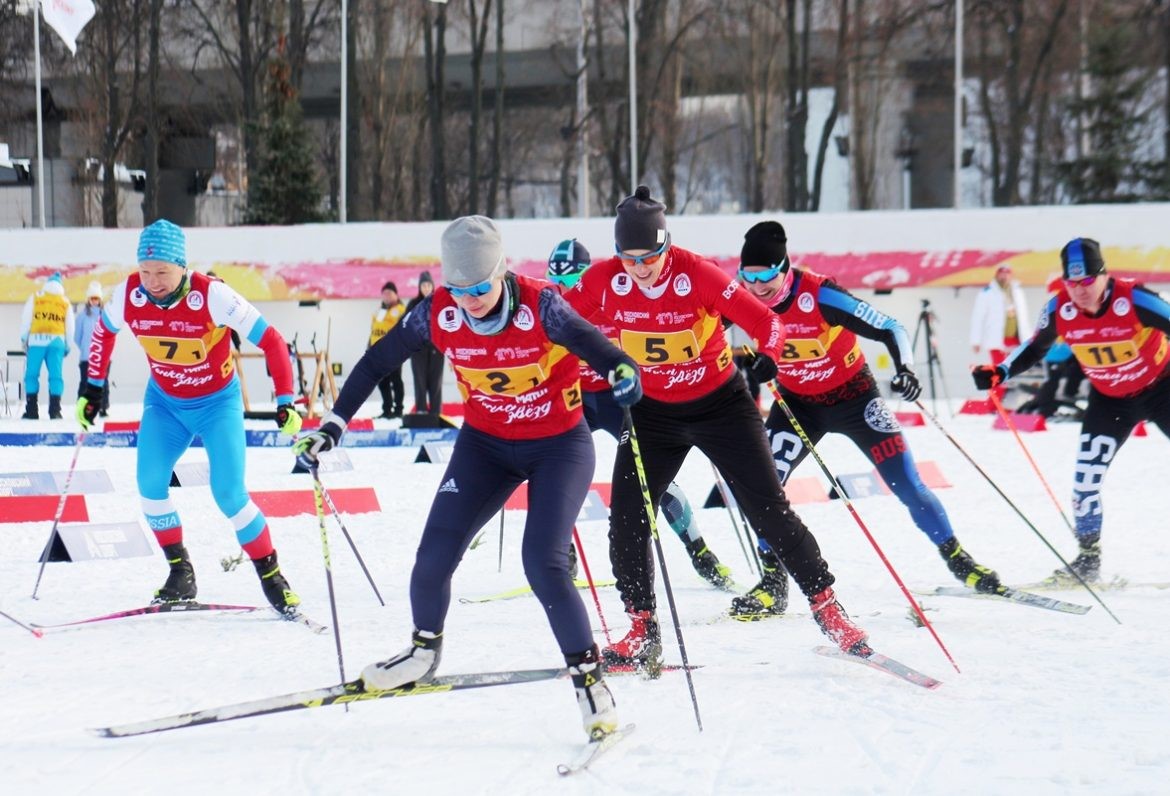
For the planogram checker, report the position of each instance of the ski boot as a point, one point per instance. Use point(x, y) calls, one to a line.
point(836, 624)
point(415, 664)
point(707, 565)
point(275, 586)
point(30, 407)
point(963, 567)
point(180, 585)
point(1087, 564)
point(641, 649)
point(54, 407)
point(770, 595)
point(598, 712)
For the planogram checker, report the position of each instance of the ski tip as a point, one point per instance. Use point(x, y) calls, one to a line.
point(38, 633)
point(102, 732)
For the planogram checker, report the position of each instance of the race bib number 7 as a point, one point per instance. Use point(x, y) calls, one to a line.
point(504, 381)
point(660, 348)
point(174, 350)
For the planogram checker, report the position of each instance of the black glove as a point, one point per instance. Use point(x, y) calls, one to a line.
point(310, 446)
point(763, 369)
point(987, 376)
point(905, 383)
point(88, 405)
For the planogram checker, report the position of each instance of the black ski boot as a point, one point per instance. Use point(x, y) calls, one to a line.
point(54, 407)
point(770, 595)
point(276, 588)
point(30, 407)
point(1087, 564)
point(707, 564)
point(962, 566)
point(180, 585)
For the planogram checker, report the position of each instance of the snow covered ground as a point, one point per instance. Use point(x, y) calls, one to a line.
point(1045, 703)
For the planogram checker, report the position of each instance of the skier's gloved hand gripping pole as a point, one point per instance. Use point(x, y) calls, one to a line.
point(987, 377)
point(787, 410)
point(627, 390)
point(307, 449)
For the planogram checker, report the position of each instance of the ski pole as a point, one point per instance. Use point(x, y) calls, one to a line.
point(592, 585)
point(500, 553)
point(1016, 509)
point(739, 535)
point(787, 410)
point(652, 519)
point(319, 502)
point(317, 485)
point(60, 511)
point(32, 630)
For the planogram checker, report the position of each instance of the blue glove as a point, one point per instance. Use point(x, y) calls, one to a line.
point(309, 447)
point(905, 383)
point(988, 376)
point(627, 385)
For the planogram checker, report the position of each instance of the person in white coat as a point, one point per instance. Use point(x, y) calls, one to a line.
point(1000, 319)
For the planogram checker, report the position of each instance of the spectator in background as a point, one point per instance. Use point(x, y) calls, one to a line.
point(385, 319)
point(999, 320)
point(88, 314)
point(46, 327)
point(426, 364)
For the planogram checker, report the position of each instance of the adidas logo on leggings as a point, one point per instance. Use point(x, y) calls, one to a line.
point(450, 486)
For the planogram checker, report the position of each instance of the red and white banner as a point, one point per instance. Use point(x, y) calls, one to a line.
point(68, 18)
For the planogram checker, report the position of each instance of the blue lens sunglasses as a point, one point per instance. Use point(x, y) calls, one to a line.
point(480, 289)
point(767, 275)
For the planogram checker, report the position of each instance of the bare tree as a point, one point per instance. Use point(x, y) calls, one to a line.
point(435, 49)
point(497, 115)
point(478, 28)
point(152, 124)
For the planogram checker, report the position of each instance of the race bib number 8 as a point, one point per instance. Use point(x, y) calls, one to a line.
point(504, 381)
point(659, 348)
point(174, 350)
point(802, 349)
point(1104, 355)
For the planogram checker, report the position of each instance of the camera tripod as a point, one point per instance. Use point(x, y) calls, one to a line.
point(934, 372)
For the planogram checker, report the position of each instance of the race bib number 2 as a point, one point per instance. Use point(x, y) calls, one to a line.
point(504, 381)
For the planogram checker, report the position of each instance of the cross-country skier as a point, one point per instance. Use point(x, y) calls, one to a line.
point(1117, 330)
point(566, 264)
point(181, 319)
point(826, 383)
point(666, 305)
point(514, 344)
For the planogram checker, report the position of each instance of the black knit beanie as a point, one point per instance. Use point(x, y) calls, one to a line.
point(764, 244)
point(641, 222)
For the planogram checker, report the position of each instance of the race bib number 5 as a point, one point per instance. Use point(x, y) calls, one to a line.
point(174, 350)
point(660, 348)
point(504, 381)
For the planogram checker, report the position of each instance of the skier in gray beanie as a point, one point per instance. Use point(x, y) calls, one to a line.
point(471, 251)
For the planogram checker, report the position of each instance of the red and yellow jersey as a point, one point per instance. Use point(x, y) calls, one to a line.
point(817, 355)
point(516, 384)
point(1118, 352)
point(674, 331)
point(187, 343)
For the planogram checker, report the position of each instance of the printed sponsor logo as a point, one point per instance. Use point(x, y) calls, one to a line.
point(870, 315)
point(449, 486)
point(195, 301)
point(524, 319)
point(137, 297)
point(879, 417)
point(449, 319)
point(729, 291)
point(682, 376)
point(1068, 311)
point(682, 285)
point(622, 284)
point(513, 412)
point(805, 302)
point(1121, 306)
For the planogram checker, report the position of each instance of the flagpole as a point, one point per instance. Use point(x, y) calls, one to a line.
point(40, 122)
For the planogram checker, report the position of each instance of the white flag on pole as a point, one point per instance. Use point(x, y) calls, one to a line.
point(68, 17)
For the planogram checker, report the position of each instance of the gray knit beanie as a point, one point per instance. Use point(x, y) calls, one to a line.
point(471, 251)
point(641, 222)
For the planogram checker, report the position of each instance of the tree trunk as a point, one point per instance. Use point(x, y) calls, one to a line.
point(353, 132)
point(435, 47)
point(497, 116)
point(151, 143)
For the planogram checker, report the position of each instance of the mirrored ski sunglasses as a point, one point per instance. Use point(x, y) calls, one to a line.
point(766, 275)
point(480, 289)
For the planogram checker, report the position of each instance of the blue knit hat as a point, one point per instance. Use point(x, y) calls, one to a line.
point(56, 278)
point(163, 241)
